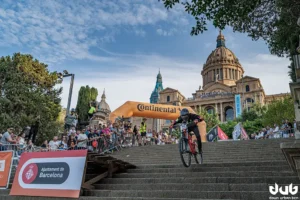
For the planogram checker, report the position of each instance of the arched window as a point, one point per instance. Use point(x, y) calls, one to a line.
point(247, 88)
point(210, 110)
point(229, 114)
point(249, 100)
point(168, 98)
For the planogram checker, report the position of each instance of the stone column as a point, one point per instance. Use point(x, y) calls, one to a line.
point(222, 112)
point(216, 107)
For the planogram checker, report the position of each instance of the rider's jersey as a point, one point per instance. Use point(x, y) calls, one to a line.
point(191, 118)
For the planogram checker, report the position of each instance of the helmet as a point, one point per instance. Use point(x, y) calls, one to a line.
point(184, 114)
point(73, 110)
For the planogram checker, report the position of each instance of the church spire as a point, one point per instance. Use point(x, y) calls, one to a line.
point(159, 77)
point(220, 39)
point(103, 97)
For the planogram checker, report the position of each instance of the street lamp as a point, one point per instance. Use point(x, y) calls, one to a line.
point(60, 77)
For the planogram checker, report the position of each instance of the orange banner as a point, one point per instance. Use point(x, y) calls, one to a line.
point(5, 165)
point(157, 111)
point(143, 109)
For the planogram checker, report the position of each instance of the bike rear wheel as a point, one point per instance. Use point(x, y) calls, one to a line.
point(184, 154)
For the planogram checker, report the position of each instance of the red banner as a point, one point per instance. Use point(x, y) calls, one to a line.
point(221, 134)
point(50, 174)
point(244, 134)
point(5, 167)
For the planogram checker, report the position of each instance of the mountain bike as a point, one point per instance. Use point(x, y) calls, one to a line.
point(188, 147)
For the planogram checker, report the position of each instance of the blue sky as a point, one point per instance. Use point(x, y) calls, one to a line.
point(121, 45)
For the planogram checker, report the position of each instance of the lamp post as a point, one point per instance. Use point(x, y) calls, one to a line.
point(61, 76)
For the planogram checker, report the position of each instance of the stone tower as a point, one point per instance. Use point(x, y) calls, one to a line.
point(158, 87)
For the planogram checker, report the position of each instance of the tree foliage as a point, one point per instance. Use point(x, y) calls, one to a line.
point(86, 95)
point(274, 21)
point(27, 91)
point(210, 119)
point(279, 110)
point(94, 94)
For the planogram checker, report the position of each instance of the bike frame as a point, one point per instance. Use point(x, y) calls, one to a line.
point(189, 138)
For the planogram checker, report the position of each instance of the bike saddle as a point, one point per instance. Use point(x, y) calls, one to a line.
point(192, 133)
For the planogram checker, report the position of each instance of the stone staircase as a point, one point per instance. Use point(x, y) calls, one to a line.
point(231, 170)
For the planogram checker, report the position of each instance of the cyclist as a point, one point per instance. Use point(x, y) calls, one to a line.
point(192, 120)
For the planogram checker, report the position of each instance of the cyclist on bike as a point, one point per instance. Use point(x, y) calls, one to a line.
point(192, 120)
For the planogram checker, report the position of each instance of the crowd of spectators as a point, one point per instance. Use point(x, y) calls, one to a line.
point(98, 138)
point(285, 130)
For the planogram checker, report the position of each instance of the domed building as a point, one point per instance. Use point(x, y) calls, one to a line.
point(226, 91)
point(102, 111)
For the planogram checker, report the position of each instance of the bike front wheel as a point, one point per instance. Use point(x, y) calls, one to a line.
point(185, 155)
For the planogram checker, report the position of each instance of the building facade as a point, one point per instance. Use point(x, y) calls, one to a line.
point(223, 78)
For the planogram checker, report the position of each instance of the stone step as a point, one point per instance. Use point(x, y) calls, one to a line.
point(199, 180)
point(204, 174)
point(210, 169)
point(187, 187)
point(181, 194)
point(5, 197)
point(272, 163)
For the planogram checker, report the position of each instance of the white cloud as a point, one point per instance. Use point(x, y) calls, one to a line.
point(170, 32)
point(137, 80)
point(56, 30)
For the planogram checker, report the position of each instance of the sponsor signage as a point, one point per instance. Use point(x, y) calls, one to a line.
point(50, 174)
point(5, 167)
point(142, 107)
point(238, 108)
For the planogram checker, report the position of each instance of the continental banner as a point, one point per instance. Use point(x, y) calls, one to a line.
point(143, 109)
point(50, 174)
point(5, 167)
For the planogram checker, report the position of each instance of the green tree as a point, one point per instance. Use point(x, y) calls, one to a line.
point(249, 115)
point(279, 110)
point(253, 126)
point(94, 94)
point(86, 95)
point(210, 119)
point(28, 94)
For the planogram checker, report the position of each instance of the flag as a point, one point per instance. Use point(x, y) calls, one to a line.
point(212, 134)
point(221, 134)
point(244, 135)
point(237, 131)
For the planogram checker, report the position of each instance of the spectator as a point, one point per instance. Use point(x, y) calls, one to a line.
point(82, 140)
point(71, 120)
point(134, 135)
point(64, 142)
point(45, 145)
point(143, 130)
point(6, 140)
point(91, 111)
point(54, 144)
point(72, 130)
point(72, 143)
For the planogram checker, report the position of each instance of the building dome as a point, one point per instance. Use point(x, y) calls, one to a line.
point(221, 65)
point(221, 55)
point(103, 106)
